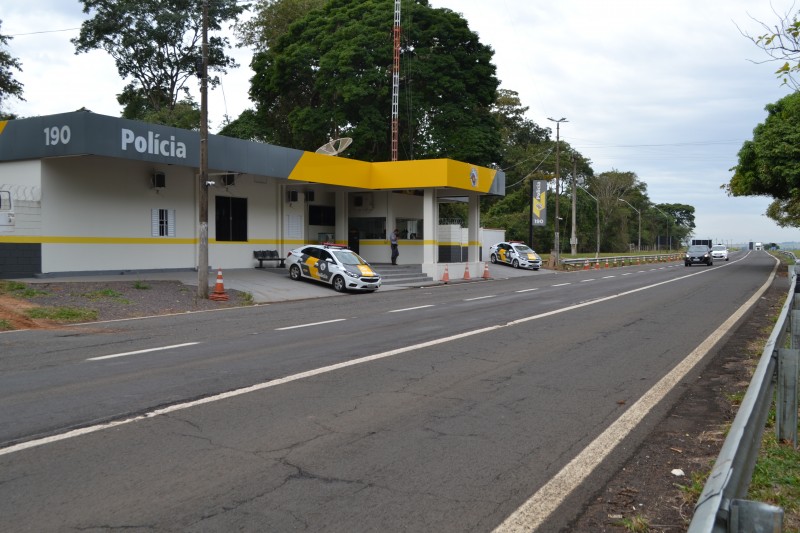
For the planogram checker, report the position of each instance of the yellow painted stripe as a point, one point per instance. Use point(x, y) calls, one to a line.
point(92, 240)
point(3, 125)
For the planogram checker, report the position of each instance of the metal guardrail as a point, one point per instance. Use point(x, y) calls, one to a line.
point(722, 506)
point(596, 263)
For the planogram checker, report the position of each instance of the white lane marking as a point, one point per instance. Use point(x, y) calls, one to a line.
point(560, 284)
point(480, 298)
point(528, 290)
point(311, 324)
point(538, 508)
point(627, 273)
point(331, 368)
point(410, 308)
point(161, 348)
point(585, 280)
point(609, 277)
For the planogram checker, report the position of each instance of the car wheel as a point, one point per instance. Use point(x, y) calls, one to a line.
point(515, 263)
point(294, 272)
point(686, 264)
point(493, 259)
point(338, 284)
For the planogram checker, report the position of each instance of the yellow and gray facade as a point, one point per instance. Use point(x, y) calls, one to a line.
point(89, 193)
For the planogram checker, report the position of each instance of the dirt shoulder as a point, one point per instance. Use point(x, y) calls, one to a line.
point(107, 300)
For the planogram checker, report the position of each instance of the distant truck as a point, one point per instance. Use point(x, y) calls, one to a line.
point(707, 242)
point(759, 246)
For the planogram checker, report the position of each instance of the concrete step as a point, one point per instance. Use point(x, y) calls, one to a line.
point(401, 274)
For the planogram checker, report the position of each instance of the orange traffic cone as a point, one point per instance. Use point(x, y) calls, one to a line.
point(219, 293)
point(466, 271)
point(586, 265)
point(486, 274)
point(445, 276)
point(606, 262)
point(597, 265)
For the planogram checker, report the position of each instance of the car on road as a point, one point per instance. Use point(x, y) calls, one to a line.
point(335, 265)
point(698, 254)
point(515, 253)
point(719, 251)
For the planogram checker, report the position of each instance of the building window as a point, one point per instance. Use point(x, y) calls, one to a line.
point(231, 218)
point(162, 222)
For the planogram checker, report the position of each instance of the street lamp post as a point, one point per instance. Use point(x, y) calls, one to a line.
point(639, 213)
point(597, 253)
point(556, 243)
point(669, 219)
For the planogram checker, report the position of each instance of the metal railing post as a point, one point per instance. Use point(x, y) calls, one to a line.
point(786, 402)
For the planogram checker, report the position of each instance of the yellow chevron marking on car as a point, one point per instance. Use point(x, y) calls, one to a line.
point(313, 271)
point(502, 255)
point(365, 270)
point(3, 125)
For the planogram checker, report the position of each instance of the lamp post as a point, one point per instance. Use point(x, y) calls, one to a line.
point(639, 213)
point(597, 253)
point(670, 224)
point(556, 244)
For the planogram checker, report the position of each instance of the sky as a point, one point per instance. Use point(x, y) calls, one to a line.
point(667, 89)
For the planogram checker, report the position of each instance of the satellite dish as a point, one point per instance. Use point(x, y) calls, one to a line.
point(335, 146)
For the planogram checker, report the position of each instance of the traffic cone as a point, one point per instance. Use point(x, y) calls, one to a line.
point(445, 276)
point(586, 265)
point(466, 271)
point(486, 271)
point(597, 265)
point(606, 262)
point(219, 293)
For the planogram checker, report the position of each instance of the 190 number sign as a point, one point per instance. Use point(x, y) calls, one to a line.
point(55, 135)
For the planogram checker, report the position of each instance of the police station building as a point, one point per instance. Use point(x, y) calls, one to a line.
point(88, 193)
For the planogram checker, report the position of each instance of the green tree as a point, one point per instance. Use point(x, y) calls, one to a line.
point(158, 44)
point(769, 164)
point(9, 87)
point(271, 21)
point(330, 76)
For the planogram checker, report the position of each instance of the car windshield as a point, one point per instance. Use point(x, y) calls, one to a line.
point(347, 257)
point(718, 247)
point(698, 248)
point(523, 249)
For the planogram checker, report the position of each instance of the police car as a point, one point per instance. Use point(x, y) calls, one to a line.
point(335, 265)
point(516, 254)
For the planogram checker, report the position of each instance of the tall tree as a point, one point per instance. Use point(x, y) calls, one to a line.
point(158, 44)
point(271, 21)
point(769, 164)
point(9, 86)
point(330, 76)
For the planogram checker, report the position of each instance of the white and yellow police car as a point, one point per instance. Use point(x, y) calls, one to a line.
point(335, 265)
point(516, 254)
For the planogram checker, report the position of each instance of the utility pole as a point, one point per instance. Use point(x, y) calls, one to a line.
point(556, 243)
point(202, 250)
point(574, 238)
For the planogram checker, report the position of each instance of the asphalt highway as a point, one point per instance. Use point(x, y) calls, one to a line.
point(501, 405)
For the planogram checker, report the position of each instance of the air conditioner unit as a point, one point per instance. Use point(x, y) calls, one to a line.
point(159, 180)
point(228, 180)
point(291, 196)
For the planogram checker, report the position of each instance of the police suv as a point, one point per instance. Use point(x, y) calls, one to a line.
point(335, 265)
point(516, 254)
